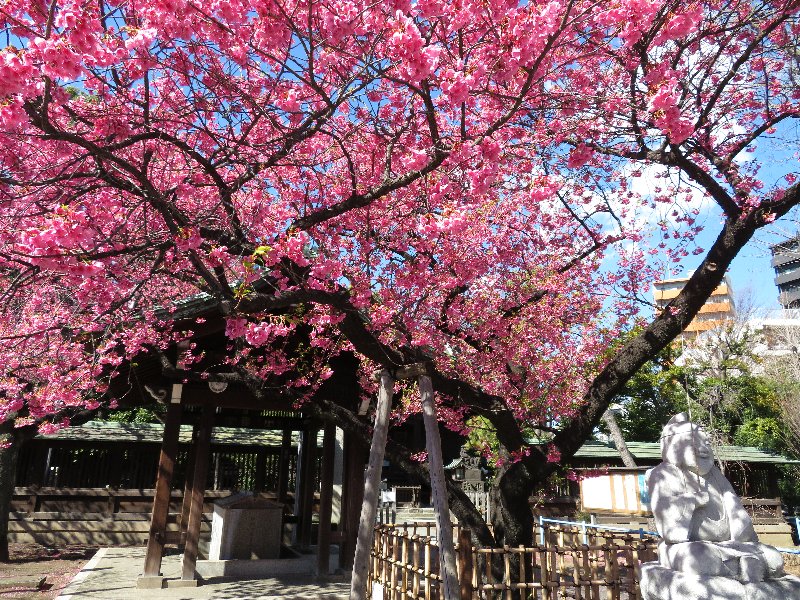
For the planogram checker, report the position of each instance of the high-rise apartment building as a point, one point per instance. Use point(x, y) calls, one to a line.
point(786, 262)
point(718, 308)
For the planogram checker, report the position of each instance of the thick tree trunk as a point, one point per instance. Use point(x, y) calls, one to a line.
point(619, 440)
point(9, 452)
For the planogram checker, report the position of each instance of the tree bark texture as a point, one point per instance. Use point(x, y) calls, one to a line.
point(444, 528)
point(619, 440)
point(366, 524)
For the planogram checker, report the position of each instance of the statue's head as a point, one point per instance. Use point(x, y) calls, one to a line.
point(686, 445)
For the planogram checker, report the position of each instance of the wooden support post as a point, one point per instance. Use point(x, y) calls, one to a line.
point(366, 524)
point(326, 500)
point(166, 467)
point(203, 444)
point(308, 474)
point(352, 497)
point(444, 528)
point(186, 505)
point(283, 466)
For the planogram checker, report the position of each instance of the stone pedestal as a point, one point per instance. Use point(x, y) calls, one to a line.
point(658, 583)
point(245, 527)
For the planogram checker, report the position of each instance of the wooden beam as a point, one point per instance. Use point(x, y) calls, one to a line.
point(166, 468)
point(203, 444)
point(326, 500)
point(369, 507)
point(444, 528)
point(404, 372)
point(235, 397)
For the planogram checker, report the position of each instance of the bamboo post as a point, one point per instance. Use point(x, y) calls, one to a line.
point(358, 582)
point(607, 575)
point(404, 565)
point(615, 576)
point(545, 569)
point(636, 574)
point(587, 572)
point(427, 567)
point(576, 572)
point(444, 528)
point(475, 571)
point(393, 569)
point(465, 563)
point(415, 565)
point(507, 583)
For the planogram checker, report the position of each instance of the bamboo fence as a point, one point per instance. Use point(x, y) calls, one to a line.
point(405, 565)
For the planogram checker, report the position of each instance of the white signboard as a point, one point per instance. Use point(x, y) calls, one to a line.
point(615, 492)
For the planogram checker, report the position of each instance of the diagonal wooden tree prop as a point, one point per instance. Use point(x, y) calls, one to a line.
point(444, 528)
point(372, 479)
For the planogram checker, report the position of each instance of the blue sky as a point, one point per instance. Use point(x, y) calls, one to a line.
point(751, 274)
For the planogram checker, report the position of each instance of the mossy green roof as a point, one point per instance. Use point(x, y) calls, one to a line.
point(111, 431)
point(651, 451)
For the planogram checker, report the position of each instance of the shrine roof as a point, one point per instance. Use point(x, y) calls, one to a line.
point(111, 431)
point(651, 451)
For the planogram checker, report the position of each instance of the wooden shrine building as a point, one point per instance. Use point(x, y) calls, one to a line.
point(205, 410)
point(209, 404)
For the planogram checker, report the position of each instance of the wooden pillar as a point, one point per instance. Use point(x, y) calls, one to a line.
point(283, 466)
point(366, 524)
point(352, 497)
point(203, 444)
point(307, 473)
point(326, 500)
point(166, 468)
point(444, 528)
point(186, 505)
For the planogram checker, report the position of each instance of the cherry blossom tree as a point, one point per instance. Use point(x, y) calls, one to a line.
point(453, 183)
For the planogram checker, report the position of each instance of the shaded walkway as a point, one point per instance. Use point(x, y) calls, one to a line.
point(112, 574)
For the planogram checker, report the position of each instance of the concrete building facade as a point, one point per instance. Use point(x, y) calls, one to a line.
point(718, 308)
point(786, 263)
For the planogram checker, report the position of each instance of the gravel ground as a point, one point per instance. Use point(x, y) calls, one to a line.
point(57, 565)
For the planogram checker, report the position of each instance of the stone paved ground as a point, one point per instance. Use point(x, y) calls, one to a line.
point(112, 575)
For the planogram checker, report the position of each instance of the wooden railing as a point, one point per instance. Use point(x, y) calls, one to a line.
point(405, 564)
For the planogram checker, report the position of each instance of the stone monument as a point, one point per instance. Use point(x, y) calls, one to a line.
point(709, 549)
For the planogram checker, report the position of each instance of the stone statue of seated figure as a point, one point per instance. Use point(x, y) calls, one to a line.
point(705, 529)
point(709, 548)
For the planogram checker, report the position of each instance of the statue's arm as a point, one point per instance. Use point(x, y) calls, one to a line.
point(673, 505)
point(740, 523)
